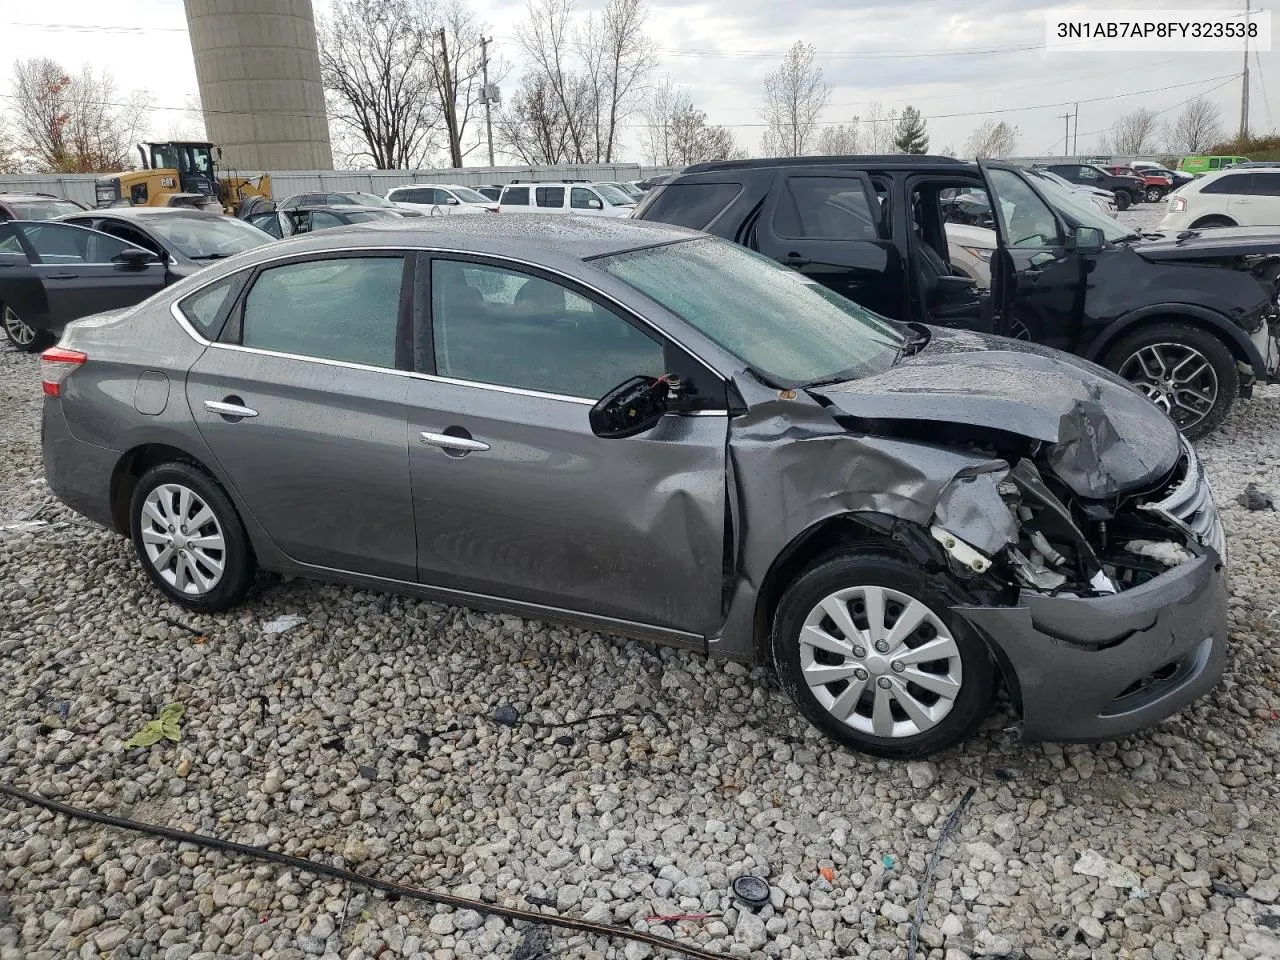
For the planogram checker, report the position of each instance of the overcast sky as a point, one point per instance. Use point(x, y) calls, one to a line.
point(960, 61)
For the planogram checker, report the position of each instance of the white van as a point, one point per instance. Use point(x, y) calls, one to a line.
point(589, 199)
point(438, 199)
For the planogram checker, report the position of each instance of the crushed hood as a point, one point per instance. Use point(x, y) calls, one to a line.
point(1105, 438)
point(1216, 242)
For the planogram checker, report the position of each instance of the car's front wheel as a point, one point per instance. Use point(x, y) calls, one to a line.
point(1187, 372)
point(189, 538)
point(1205, 223)
point(1123, 200)
point(869, 649)
point(18, 333)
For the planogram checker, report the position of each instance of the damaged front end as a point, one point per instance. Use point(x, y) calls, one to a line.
point(1114, 607)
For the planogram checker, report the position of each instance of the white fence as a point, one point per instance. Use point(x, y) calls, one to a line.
point(79, 186)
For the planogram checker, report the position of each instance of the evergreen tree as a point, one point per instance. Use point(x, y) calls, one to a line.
point(911, 134)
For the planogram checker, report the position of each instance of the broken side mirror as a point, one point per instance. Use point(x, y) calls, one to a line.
point(632, 407)
point(1087, 240)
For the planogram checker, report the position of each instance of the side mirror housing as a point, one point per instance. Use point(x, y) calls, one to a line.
point(135, 257)
point(594, 204)
point(1088, 240)
point(452, 201)
point(632, 407)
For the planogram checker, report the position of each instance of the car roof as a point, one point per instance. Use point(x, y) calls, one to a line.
point(880, 161)
point(339, 208)
point(25, 197)
point(528, 237)
point(149, 213)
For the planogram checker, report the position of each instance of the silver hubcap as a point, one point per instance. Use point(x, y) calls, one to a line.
point(16, 330)
point(1177, 378)
point(880, 661)
point(183, 539)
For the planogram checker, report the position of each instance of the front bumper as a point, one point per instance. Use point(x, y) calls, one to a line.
point(1100, 668)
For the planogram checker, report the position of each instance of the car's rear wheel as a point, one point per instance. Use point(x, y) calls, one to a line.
point(1123, 200)
point(1214, 221)
point(189, 538)
point(1154, 194)
point(20, 335)
point(870, 651)
point(1187, 372)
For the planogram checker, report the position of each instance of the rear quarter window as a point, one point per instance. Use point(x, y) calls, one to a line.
point(207, 309)
point(692, 205)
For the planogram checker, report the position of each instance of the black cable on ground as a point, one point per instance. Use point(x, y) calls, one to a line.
point(913, 938)
point(359, 879)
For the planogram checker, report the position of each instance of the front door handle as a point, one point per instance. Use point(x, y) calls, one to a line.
point(63, 276)
point(794, 260)
point(225, 409)
point(448, 442)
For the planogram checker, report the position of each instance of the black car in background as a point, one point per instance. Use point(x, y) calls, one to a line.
point(1190, 322)
point(286, 223)
point(1128, 189)
point(36, 206)
point(345, 198)
point(56, 271)
point(186, 238)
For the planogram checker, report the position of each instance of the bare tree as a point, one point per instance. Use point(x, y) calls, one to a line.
point(618, 57)
point(189, 124)
point(534, 128)
point(794, 96)
point(677, 133)
point(1136, 133)
point(839, 139)
point(545, 36)
point(995, 138)
point(75, 124)
point(377, 67)
point(9, 162)
point(880, 129)
point(1198, 127)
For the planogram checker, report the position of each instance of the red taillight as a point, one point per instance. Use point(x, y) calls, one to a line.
point(56, 365)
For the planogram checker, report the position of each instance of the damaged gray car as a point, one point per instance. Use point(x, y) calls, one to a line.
point(647, 431)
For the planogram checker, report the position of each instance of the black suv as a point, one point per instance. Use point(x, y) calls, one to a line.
point(1191, 321)
point(1128, 190)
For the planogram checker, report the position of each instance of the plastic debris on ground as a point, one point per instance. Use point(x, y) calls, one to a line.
point(1094, 864)
point(283, 624)
point(1255, 499)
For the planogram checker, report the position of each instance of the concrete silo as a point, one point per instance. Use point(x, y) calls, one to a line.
point(259, 73)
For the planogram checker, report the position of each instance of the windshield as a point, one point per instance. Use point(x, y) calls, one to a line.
point(42, 209)
point(207, 238)
point(778, 322)
point(369, 200)
point(613, 195)
point(1083, 211)
point(364, 216)
point(467, 195)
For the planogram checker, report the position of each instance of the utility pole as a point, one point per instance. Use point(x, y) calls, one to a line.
point(450, 108)
point(1075, 132)
point(484, 68)
point(1244, 79)
point(1066, 139)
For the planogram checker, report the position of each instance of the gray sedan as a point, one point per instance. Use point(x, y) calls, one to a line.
point(649, 431)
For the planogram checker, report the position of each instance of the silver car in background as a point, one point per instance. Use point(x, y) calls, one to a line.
point(648, 431)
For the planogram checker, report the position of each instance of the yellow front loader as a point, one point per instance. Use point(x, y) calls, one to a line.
point(179, 174)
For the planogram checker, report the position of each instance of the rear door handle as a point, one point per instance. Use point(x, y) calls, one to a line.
point(63, 276)
point(463, 444)
point(224, 409)
point(794, 260)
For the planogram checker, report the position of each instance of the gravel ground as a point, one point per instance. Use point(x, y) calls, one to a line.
point(369, 735)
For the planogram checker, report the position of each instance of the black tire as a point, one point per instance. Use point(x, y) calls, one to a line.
point(20, 336)
point(1154, 194)
point(1123, 200)
point(238, 563)
point(1122, 359)
point(1205, 223)
point(875, 567)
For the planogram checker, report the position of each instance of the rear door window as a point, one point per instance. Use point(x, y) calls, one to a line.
point(692, 205)
point(333, 309)
point(1239, 184)
point(551, 197)
point(824, 208)
point(1266, 184)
